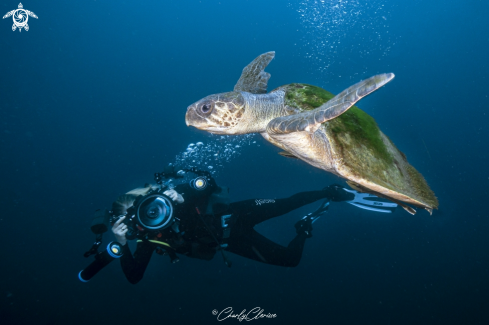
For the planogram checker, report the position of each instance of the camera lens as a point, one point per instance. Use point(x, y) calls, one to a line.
point(155, 212)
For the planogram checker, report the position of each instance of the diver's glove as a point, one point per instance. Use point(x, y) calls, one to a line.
point(337, 193)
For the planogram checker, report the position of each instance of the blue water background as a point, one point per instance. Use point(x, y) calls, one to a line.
point(92, 103)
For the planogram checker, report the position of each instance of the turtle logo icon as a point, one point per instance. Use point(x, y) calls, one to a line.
point(20, 17)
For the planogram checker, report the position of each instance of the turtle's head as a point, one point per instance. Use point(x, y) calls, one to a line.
point(218, 114)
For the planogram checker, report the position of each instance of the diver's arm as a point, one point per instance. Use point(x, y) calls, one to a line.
point(135, 266)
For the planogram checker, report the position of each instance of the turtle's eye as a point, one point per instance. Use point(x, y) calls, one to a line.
point(206, 108)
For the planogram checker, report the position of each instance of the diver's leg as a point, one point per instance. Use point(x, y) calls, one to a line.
point(252, 212)
point(254, 246)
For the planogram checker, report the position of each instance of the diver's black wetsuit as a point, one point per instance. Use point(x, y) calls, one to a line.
point(195, 239)
point(247, 242)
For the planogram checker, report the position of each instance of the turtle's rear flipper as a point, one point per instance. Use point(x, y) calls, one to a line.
point(14, 28)
point(254, 79)
point(26, 27)
point(287, 154)
point(311, 120)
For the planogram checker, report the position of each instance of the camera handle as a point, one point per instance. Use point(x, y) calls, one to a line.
point(94, 249)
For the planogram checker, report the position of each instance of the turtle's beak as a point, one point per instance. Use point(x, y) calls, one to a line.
point(186, 119)
point(194, 119)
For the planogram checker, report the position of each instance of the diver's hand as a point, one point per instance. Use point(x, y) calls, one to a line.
point(336, 193)
point(119, 229)
point(172, 194)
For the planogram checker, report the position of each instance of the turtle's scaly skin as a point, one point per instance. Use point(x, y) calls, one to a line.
point(361, 151)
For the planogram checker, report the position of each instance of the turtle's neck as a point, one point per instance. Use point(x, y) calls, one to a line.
point(261, 109)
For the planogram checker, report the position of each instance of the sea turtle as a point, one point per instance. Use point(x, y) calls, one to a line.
point(319, 128)
point(20, 17)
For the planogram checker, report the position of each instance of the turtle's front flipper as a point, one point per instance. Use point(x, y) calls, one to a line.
point(30, 13)
point(8, 14)
point(254, 79)
point(311, 120)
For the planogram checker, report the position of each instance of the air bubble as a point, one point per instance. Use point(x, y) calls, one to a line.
point(336, 21)
point(213, 154)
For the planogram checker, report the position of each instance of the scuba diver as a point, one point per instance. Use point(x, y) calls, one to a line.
point(197, 219)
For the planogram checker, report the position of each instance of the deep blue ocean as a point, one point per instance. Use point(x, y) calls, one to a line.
point(92, 103)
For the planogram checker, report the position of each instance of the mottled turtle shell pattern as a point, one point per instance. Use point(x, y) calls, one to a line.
point(360, 150)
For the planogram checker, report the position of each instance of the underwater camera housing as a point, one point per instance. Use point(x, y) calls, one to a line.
point(151, 212)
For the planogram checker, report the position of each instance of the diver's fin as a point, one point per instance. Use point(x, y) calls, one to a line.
point(371, 202)
point(362, 189)
point(287, 154)
point(254, 79)
point(311, 120)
